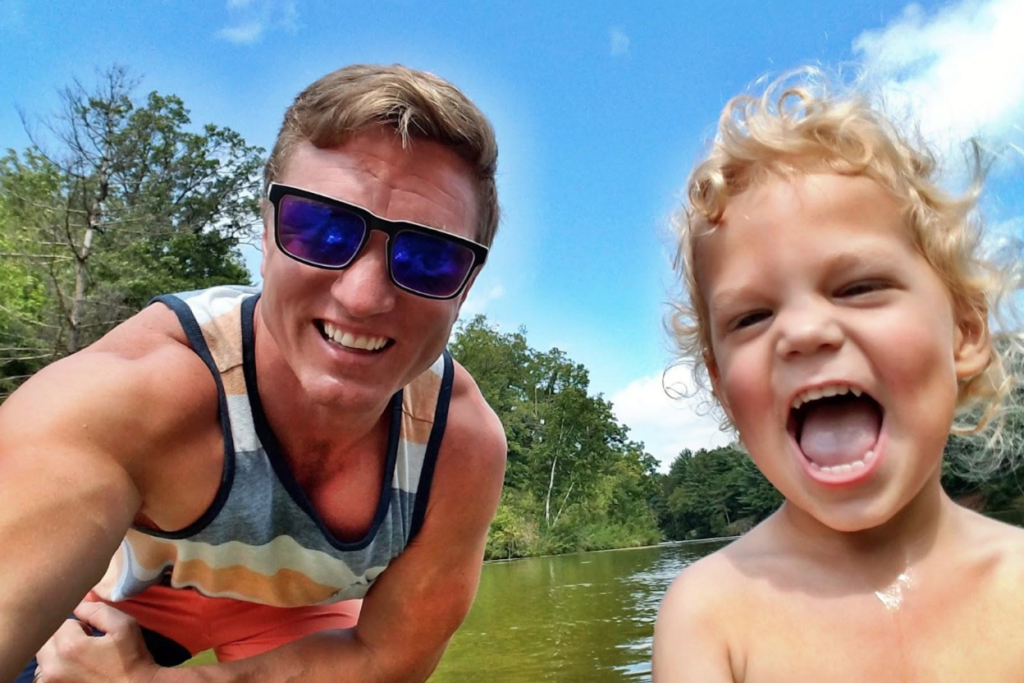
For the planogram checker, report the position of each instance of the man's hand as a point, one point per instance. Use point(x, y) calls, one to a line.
point(72, 655)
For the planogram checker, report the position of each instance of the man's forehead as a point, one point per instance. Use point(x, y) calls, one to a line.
point(423, 183)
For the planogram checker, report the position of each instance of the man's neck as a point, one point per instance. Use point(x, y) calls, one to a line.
point(305, 426)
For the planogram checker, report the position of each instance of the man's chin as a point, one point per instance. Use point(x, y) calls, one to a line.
point(344, 393)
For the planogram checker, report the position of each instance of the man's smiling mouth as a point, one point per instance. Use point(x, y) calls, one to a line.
point(348, 340)
point(836, 428)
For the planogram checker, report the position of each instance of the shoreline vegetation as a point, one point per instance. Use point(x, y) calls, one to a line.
point(575, 480)
point(106, 212)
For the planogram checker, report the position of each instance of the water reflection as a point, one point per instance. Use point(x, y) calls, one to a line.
point(573, 618)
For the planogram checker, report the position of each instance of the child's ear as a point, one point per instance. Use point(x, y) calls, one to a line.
point(716, 383)
point(971, 343)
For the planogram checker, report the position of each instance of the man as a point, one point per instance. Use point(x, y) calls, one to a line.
point(235, 470)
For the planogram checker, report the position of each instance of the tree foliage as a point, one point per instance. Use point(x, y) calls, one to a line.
point(711, 493)
point(118, 200)
point(574, 479)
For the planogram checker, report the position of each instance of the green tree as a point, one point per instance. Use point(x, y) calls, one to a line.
point(574, 480)
point(118, 200)
point(717, 492)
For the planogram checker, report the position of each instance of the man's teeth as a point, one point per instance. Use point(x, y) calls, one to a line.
point(846, 468)
point(352, 341)
point(824, 392)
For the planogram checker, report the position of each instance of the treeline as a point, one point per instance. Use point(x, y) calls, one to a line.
point(115, 200)
point(574, 480)
point(121, 199)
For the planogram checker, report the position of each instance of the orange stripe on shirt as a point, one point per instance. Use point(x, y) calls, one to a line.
point(286, 588)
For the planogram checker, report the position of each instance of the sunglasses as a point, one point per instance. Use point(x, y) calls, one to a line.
point(328, 233)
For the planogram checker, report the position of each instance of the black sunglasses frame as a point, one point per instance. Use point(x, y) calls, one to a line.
point(276, 192)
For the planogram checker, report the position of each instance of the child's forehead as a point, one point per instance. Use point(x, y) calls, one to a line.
point(809, 193)
point(814, 214)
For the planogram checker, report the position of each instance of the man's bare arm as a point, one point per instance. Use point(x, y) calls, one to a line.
point(71, 482)
point(421, 599)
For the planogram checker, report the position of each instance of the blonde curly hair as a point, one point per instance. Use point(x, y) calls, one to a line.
point(802, 123)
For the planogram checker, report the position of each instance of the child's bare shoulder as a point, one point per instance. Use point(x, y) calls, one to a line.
point(696, 622)
point(704, 586)
point(997, 549)
point(708, 587)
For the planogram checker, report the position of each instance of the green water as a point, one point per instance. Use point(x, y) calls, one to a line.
point(586, 618)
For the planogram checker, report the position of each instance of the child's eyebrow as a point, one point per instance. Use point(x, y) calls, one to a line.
point(859, 258)
point(728, 297)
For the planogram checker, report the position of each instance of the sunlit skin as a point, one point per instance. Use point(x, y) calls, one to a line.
point(425, 183)
point(814, 280)
point(162, 466)
point(817, 282)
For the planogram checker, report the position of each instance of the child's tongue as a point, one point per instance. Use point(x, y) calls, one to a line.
point(839, 432)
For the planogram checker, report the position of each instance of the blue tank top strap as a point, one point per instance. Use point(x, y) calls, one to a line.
point(194, 334)
point(262, 540)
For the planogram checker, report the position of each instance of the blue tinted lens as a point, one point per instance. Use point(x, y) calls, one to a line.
point(316, 232)
point(429, 264)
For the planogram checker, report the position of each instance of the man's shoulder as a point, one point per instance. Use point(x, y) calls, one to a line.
point(471, 459)
point(141, 378)
point(473, 425)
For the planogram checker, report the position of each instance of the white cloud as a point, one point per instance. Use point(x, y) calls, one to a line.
point(244, 34)
point(251, 20)
point(666, 425)
point(619, 42)
point(1010, 229)
point(479, 299)
point(290, 17)
point(957, 71)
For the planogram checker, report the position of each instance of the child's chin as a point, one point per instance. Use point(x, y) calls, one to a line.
point(853, 521)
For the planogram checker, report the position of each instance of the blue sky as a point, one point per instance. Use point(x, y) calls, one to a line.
point(600, 108)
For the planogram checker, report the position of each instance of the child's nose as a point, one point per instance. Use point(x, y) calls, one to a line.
point(807, 329)
point(364, 288)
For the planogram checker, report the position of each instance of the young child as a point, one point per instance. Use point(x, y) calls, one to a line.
point(839, 304)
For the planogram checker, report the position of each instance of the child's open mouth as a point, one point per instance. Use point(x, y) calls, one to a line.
point(836, 429)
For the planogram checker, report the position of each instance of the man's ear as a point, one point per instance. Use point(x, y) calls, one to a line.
point(266, 211)
point(716, 383)
point(972, 345)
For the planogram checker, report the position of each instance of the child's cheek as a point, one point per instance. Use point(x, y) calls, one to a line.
point(747, 386)
point(917, 357)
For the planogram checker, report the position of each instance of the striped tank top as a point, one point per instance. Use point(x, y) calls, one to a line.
point(261, 540)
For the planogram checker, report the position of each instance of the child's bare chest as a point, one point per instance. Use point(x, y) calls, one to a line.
point(895, 635)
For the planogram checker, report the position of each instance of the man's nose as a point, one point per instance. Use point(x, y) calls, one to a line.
point(807, 328)
point(364, 288)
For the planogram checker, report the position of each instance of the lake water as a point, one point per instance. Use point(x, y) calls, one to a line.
point(583, 618)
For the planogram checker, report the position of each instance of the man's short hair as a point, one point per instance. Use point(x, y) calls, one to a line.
point(415, 103)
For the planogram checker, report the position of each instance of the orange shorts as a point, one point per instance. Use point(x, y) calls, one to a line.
point(233, 629)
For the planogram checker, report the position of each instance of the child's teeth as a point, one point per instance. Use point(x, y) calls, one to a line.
point(845, 468)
